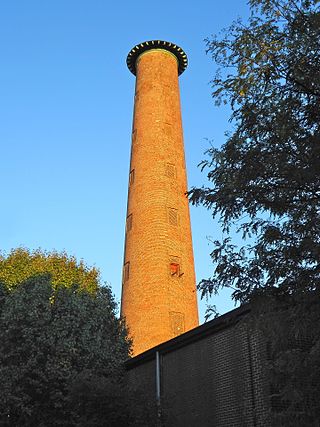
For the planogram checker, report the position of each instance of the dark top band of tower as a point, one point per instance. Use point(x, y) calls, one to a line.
point(177, 51)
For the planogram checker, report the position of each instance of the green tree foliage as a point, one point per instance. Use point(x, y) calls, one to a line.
point(266, 182)
point(21, 264)
point(267, 174)
point(62, 348)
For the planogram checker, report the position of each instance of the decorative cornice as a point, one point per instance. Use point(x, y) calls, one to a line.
point(137, 50)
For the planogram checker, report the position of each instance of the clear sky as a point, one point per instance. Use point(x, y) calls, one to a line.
point(66, 100)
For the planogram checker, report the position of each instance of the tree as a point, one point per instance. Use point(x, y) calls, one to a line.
point(22, 264)
point(62, 348)
point(267, 174)
point(266, 179)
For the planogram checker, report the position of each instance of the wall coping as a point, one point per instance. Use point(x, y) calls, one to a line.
point(222, 322)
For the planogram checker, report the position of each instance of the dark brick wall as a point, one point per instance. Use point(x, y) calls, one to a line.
point(142, 379)
point(211, 376)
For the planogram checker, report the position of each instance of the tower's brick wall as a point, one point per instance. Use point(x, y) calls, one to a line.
point(158, 290)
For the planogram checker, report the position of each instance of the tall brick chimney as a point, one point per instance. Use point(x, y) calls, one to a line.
point(159, 298)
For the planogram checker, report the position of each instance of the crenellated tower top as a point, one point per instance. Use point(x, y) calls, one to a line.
point(141, 48)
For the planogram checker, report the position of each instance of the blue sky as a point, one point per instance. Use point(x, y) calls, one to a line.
point(66, 100)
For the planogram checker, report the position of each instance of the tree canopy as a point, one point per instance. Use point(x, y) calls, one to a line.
point(21, 264)
point(266, 176)
point(265, 184)
point(62, 347)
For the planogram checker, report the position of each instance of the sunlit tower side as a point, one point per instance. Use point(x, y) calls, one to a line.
point(159, 298)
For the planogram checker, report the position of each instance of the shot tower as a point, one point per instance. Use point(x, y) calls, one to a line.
point(158, 287)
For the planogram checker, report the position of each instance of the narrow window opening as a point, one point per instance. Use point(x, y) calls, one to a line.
point(126, 271)
point(134, 136)
point(131, 177)
point(177, 323)
point(170, 170)
point(173, 216)
point(183, 161)
point(129, 222)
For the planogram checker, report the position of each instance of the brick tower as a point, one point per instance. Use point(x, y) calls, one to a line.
point(158, 287)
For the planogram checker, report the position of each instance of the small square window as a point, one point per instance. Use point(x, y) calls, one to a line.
point(174, 269)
